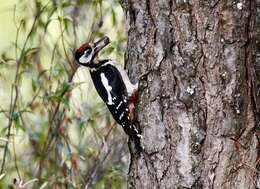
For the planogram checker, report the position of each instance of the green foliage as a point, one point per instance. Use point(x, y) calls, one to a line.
point(54, 130)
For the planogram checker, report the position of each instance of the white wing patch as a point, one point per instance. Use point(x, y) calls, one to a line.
point(108, 88)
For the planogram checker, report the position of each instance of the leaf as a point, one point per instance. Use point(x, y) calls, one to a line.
point(5, 59)
point(66, 4)
point(30, 181)
point(15, 116)
point(66, 22)
point(113, 17)
point(28, 57)
point(3, 139)
point(44, 185)
point(34, 85)
point(65, 101)
point(65, 87)
point(31, 51)
point(16, 119)
point(2, 176)
point(82, 124)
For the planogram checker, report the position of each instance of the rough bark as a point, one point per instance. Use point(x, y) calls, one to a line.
point(199, 105)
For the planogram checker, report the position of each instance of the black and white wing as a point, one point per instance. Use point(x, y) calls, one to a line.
point(111, 88)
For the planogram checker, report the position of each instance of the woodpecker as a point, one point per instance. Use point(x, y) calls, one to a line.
point(113, 86)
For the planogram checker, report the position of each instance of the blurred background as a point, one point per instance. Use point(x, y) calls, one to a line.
point(55, 132)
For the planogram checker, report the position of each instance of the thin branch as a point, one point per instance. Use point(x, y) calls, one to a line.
point(97, 162)
point(14, 90)
point(8, 132)
point(48, 139)
point(62, 30)
point(15, 159)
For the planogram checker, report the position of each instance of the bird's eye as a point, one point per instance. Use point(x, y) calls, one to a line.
point(88, 51)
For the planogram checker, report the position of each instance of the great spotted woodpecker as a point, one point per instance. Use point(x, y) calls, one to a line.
point(113, 86)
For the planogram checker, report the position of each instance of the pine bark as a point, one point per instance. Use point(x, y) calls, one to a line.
point(199, 106)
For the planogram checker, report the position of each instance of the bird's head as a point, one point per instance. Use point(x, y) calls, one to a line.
point(86, 54)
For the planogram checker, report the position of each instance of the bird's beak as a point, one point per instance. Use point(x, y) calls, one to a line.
point(100, 44)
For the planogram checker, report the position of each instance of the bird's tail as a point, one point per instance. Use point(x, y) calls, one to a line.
point(136, 137)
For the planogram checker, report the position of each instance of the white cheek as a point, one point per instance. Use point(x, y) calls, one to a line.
point(83, 59)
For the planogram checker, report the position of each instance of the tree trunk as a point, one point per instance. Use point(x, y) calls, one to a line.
point(199, 105)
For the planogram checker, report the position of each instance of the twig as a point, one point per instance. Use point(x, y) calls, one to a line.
point(97, 163)
point(4, 112)
point(48, 139)
point(15, 95)
point(8, 132)
point(15, 159)
point(63, 44)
